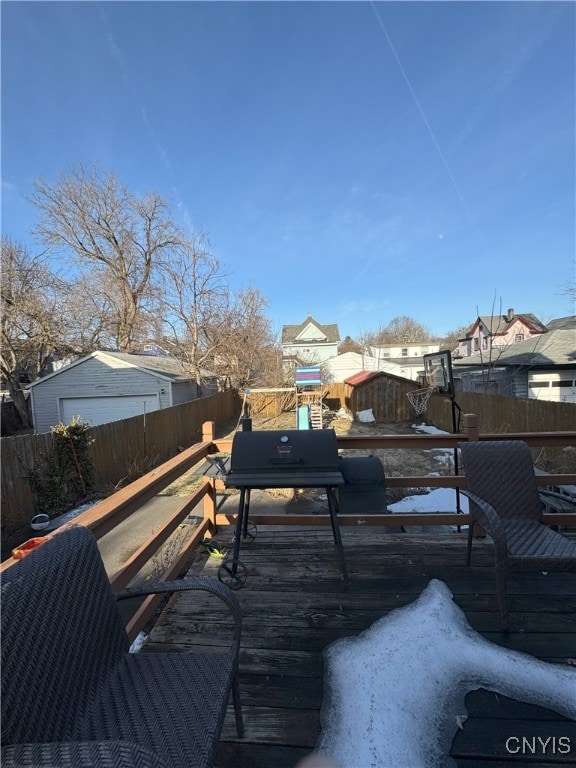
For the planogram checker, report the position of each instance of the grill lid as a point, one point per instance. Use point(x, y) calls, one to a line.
point(285, 459)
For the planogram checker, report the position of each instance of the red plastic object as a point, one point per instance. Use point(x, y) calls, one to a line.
point(21, 551)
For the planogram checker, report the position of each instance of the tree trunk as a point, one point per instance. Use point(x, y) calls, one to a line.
point(20, 404)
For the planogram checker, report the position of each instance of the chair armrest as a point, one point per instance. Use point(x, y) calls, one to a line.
point(204, 583)
point(486, 515)
point(80, 754)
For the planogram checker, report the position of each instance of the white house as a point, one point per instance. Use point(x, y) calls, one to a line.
point(108, 386)
point(343, 366)
point(408, 357)
point(309, 342)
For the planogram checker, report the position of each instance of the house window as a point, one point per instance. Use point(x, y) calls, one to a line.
point(385, 354)
point(404, 351)
point(476, 345)
point(519, 337)
point(485, 342)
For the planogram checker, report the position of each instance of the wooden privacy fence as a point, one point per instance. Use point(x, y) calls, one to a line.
point(499, 413)
point(269, 403)
point(121, 450)
point(384, 394)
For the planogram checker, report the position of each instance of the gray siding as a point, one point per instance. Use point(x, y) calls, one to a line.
point(92, 378)
point(183, 392)
point(520, 384)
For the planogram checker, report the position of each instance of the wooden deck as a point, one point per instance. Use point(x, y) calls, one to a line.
point(295, 604)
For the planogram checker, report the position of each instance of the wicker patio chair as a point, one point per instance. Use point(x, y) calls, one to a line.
point(502, 489)
point(71, 691)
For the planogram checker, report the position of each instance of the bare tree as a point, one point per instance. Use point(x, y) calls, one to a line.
point(249, 354)
point(569, 290)
point(117, 239)
point(400, 330)
point(33, 320)
point(194, 305)
point(349, 345)
point(451, 338)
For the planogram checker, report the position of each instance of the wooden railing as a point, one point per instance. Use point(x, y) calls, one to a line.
point(107, 514)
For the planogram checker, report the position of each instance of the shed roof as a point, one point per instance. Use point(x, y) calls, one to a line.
point(362, 377)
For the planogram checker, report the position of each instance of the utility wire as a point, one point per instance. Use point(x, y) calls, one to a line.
point(425, 120)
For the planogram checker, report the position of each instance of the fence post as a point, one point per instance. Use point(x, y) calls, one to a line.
point(208, 431)
point(470, 426)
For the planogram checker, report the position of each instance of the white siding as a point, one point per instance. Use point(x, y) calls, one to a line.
point(342, 366)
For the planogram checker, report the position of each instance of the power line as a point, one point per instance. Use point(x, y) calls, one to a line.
point(425, 120)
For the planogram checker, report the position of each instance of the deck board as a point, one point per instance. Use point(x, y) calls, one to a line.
point(295, 603)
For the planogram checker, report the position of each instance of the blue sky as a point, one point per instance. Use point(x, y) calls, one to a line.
point(355, 160)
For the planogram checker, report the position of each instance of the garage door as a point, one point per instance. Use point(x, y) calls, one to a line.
point(558, 387)
point(100, 410)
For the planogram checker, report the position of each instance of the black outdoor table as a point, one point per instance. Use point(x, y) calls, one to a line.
point(281, 459)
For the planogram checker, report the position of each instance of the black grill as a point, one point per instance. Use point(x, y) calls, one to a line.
point(285, 459)
point(281, 459)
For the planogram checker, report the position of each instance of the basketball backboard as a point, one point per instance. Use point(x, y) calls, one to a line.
point(438, 372)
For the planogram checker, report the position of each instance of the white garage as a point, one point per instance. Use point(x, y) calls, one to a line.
point(101, 410)
point(108, 386)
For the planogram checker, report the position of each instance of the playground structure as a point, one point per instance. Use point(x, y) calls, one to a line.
point(305, 397)
point(309, 396)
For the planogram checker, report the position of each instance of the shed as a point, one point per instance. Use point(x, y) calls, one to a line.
point(379, 391)
point(109, 386)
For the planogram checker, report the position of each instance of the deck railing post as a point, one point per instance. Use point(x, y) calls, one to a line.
point(209, 504)
point(208, 431)
point(209, 501)
point(470, 426)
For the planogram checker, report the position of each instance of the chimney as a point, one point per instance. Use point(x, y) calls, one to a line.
point(510, 316)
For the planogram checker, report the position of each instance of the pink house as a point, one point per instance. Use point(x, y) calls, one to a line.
point(498, 332)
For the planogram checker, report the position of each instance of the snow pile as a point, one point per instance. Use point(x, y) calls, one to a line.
point(394, 695)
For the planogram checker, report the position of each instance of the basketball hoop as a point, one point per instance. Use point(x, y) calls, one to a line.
point(419, 399)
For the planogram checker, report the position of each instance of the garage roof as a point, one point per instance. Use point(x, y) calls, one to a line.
point(166, 367)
